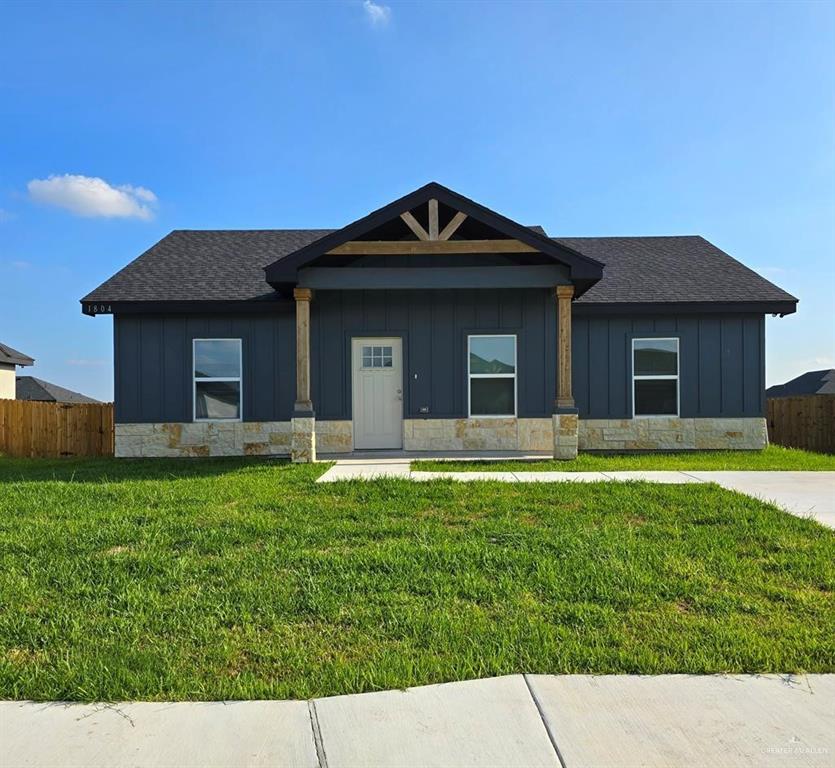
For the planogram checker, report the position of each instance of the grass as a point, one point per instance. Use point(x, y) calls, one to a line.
point(774, 457)
point(237, 579)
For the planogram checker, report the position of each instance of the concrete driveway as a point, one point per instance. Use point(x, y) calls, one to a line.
point(519, 720)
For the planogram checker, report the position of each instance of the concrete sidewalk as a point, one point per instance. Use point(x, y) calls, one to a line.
point(519, 720)
point(805, 494)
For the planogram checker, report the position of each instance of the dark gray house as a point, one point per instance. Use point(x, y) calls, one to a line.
point(435, 323)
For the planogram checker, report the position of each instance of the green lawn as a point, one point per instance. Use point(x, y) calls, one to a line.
point(773, 457)
point(235, 579)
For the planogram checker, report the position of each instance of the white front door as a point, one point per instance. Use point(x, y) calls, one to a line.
point(377, 384)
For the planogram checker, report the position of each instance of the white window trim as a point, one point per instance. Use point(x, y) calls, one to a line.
point(513, 376)
point(658, 377)
point(239, 379)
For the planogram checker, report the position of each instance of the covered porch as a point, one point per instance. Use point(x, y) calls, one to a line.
point(435, 248)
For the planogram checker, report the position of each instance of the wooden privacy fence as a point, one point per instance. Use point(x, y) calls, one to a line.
point(29, 428)
point(805, 421)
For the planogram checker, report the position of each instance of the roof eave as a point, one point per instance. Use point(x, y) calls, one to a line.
point(222, 306)
point(766, 307)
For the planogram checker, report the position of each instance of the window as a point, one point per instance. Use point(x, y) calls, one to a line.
point(491, 362)
point(376, 357)
point(217, 379)
point(655, 377)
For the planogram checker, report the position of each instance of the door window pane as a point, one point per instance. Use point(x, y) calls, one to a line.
point(217, 358)
point(492, 397)
point(377, 357)
point(656, 357)
point(493, 354)
point(218, 399)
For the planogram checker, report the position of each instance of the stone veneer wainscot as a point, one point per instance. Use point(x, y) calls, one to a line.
point(266, 438)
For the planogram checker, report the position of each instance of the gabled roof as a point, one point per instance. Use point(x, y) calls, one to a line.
point(219, 269)
point(584, 270)
point(809, 383)
point(31, 388)
point(10, 356)
point(681, 269)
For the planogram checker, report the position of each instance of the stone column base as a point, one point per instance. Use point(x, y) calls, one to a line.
point(566, 427)
point(303, 444)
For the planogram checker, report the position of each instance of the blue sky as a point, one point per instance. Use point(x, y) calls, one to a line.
point(589, 118)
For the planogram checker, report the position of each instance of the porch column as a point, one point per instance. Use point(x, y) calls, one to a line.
point(565, 420)
point(303, 448)
point(564, 295)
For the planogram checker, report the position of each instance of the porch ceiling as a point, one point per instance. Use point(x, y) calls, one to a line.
point(364, 278)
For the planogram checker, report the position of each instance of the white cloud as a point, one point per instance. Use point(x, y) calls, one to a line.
point(91, 196)
point(378, 14)
point(87, 363)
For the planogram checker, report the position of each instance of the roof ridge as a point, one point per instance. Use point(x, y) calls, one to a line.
point(279, 229)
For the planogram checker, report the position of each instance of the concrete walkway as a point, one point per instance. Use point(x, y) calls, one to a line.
point(520, 720)
point(805, 494)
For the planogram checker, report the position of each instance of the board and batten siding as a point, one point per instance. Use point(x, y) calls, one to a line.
point(722, 356)
point(434, 325)
point(722, 363)
point(153, 364)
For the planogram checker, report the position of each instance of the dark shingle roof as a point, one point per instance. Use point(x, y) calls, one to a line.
point(670, 269)
point(31, 388)
point(205, 265)
point(228, 265)
point(10, 356)
point(809, 383)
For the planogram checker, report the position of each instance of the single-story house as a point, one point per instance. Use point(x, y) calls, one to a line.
point(809, 383)
point(33, 388)
point(9, 360)
point(435, 323)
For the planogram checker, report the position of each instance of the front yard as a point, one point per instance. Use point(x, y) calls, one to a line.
point(774, 457)
point(212, 579)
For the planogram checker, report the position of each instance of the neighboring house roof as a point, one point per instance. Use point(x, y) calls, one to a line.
point(809, 383)
point(236, 265)
point(11, 356)
point(32, 388)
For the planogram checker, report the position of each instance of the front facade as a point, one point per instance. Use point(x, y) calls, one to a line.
point(435, 324)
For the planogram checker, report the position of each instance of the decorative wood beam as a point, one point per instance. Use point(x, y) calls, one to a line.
point(413, 224)
point(433, 219)
point(415, 247)
point(449, 230)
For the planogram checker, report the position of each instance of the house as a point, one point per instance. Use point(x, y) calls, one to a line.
point(809, 383)
point(435, 323)
point(32, 388)
point(9, 360)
